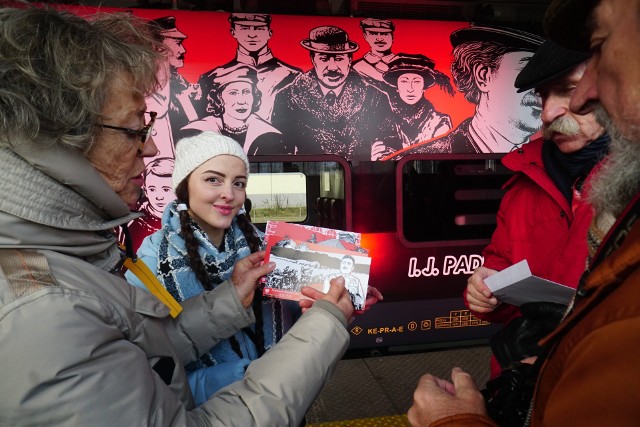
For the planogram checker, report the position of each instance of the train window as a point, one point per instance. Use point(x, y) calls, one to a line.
point(277, 196)
point(309, 192)
point(451, 198)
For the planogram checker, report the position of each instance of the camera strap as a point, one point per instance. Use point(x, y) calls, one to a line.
point(146, 276)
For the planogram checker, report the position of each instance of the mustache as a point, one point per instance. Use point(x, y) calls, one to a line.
point(531, 99)
point(565, 125)
point(332, 73)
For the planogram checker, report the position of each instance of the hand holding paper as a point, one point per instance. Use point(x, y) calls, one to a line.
point(478, 294)
point(516, 285)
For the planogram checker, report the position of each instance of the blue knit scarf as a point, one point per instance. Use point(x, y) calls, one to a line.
point(173, 262)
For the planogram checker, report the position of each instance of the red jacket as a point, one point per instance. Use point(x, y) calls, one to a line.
point(536, 223)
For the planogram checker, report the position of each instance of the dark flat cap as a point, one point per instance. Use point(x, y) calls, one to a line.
point(565, 22)
point(550, 61)
point(250, 19)
point(516, 40)
point(166, 27)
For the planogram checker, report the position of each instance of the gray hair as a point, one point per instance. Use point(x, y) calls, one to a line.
point(617, 179)
point(56, 70)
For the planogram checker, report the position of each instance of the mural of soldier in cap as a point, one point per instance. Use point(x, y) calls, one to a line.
point(252, 32)
point(486, 61)
point(410, 75)
point(330, 109)
point(172, 101)
point(379, 34)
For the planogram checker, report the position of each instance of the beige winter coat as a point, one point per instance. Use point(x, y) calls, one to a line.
point(81, 347)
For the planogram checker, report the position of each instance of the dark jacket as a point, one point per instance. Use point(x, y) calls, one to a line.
point(360, 116)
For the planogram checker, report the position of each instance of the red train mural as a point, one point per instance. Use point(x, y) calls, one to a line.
point(395, 129)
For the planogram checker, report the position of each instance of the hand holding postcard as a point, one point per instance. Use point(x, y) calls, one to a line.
point(312, 256)
point(516, 285)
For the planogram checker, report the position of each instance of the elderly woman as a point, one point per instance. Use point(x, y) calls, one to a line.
point(232, 103)
point(79, 345)
point(411, 75)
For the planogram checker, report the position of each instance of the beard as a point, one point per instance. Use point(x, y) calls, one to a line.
point(565, 125)
point(618, 179)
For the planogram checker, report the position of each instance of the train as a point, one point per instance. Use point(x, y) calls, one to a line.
point(424, 214)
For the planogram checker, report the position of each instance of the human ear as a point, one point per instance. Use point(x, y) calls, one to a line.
point(482, 75)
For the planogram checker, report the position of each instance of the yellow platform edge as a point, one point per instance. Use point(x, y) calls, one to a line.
point(390, 421)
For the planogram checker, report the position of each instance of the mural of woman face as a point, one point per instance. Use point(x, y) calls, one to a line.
point(410, 87)
point(237, 98)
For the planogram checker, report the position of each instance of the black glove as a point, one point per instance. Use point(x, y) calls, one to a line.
point(519, 338)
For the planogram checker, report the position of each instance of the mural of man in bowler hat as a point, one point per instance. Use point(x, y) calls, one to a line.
point(486, 61)
point(330, 109)
point(252, 31)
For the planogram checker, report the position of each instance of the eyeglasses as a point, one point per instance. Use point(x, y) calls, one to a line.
point(143, 133)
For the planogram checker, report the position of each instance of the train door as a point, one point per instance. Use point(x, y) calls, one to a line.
point(424, 219)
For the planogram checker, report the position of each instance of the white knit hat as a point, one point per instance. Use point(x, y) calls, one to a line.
point(193, 151)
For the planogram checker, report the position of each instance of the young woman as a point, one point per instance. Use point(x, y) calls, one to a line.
point(204, 233)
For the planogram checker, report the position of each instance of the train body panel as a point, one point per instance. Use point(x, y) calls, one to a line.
point(405, 151)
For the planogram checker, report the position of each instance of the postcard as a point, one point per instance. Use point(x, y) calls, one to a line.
point(302, 263)
point(347, 240)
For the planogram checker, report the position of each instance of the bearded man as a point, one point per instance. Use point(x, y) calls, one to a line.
point(587, 374)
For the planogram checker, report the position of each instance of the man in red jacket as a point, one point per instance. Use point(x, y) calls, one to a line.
point(543, 217)
point(589, 375)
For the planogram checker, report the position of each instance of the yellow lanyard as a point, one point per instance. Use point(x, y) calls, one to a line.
point(142, 272)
